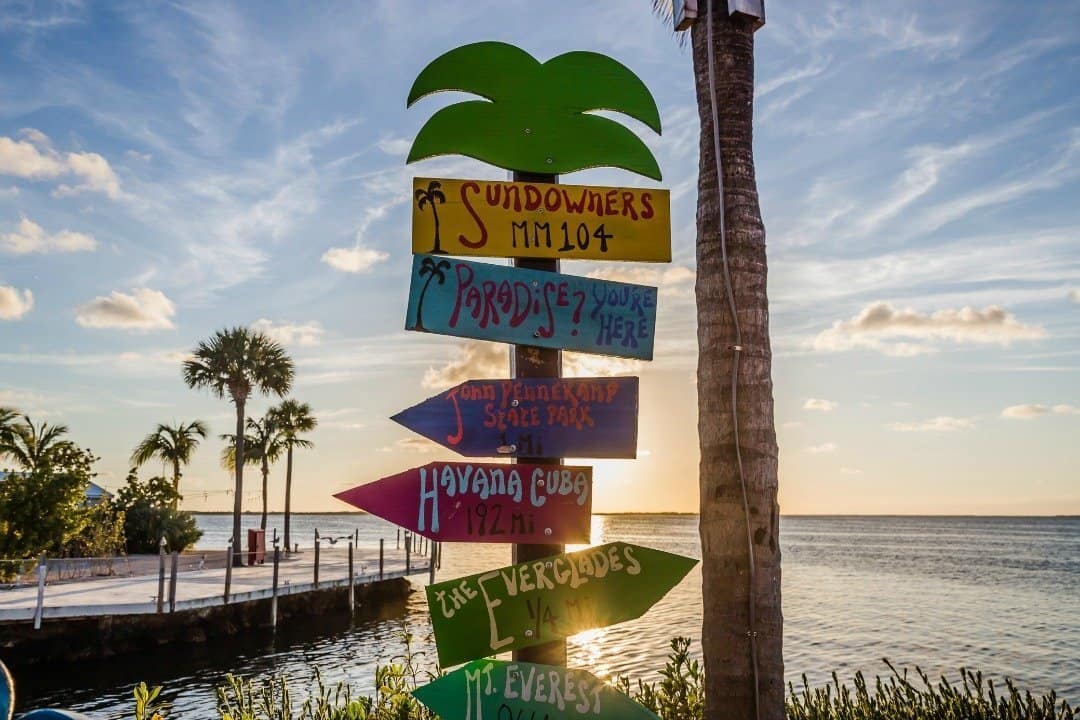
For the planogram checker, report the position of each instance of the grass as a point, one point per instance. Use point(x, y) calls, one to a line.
point(679, 695)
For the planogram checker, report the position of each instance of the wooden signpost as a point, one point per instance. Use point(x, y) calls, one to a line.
point(484, 502)
point(528, 307)
point(535, 119)
point(549, 599)
point(499, 690)
point(542, 220)
point(536, 417)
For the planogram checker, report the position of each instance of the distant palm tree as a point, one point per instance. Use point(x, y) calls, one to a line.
point(31, 446)
point(171, 444)
point(535, 117)
point(8, 416)
point(292, 418)
point(262, 446)
point(237, 362)
point(432, 196)
point(434, 270)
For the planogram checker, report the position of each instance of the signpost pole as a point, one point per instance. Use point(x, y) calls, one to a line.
point(534, 362)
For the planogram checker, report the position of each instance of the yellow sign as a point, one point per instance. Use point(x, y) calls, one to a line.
point(540, 220)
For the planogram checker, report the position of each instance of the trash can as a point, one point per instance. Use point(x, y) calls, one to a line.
point(256, 546)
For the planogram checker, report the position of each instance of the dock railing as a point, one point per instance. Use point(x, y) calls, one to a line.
point(172, 582)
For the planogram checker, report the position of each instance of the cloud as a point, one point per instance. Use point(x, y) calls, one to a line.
point(938, 424)
point(1034, 410)
point(819, 404)
point(394, 146)
point(9, 192)
point(879, 323)
point(471, 360)
point(34, 158)
point(412, 444)
point(850, 471)
point(677, 280)
point(143, 309)
point(585, 365)
point(29, 237)
point(1074, 295)
point(14, 303)
point(823, 449)
point(287, 333)
point(476, 359)
point(357, 259)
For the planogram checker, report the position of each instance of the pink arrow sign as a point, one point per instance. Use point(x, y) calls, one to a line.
point(484, 502)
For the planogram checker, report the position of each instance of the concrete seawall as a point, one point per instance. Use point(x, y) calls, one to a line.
point(109, 635)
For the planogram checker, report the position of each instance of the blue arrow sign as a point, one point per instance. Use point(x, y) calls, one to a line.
point(535, 417)
point(529, 307)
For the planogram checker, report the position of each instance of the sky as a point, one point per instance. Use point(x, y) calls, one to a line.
point(167, 170)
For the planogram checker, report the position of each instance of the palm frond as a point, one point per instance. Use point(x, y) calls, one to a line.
point(607, 85)
point(488, 69)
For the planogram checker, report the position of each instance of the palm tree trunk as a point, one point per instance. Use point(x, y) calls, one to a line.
point(729, 667)
point(176, 482)
point(238, 490)
point(265, 475)
point(438, 244)
point(288, 496)
point(420, 302)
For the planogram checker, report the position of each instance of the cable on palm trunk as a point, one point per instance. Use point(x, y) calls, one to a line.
point(736, 350)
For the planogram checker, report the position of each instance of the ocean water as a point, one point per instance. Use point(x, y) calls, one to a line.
point(1001, 595)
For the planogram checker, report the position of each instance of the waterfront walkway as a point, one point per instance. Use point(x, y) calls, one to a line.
point(195, 588)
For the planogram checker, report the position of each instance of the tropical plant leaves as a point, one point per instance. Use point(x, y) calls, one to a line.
point(535, 116)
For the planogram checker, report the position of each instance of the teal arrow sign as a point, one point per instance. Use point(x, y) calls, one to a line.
point(543, 600)
point(498, 690)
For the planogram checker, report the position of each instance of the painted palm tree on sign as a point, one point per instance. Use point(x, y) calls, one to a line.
point(173, 445)
point(432, 197)
point(235, 363)
point(292, 418)
point(535, 117)
point(434, 270)
point(32, 446)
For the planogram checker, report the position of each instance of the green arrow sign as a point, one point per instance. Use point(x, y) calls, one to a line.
point(499, 690)
point(543, 600)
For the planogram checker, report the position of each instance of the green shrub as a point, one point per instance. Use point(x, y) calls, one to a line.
point(149, 511)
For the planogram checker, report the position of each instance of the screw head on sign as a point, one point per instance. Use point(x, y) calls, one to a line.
point(549, 161)
point(528, 131)
point(547, 531)
point(536, 334)
point(515, 403)
point(528, 633)
point(539, 483)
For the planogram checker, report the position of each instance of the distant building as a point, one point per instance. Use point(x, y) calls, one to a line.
point(94, 493)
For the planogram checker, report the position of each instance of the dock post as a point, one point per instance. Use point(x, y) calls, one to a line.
point(397, 543)
point(431, 570)
point(172, 581)
point(408, 553)
point(352, 596)
point(380, 558)
point(316, 557)
point(273, 592)
point(161, 576)
point(228, 570)
point(42, 571)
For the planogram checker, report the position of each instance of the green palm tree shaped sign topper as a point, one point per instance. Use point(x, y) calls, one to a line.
point(535, 117)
